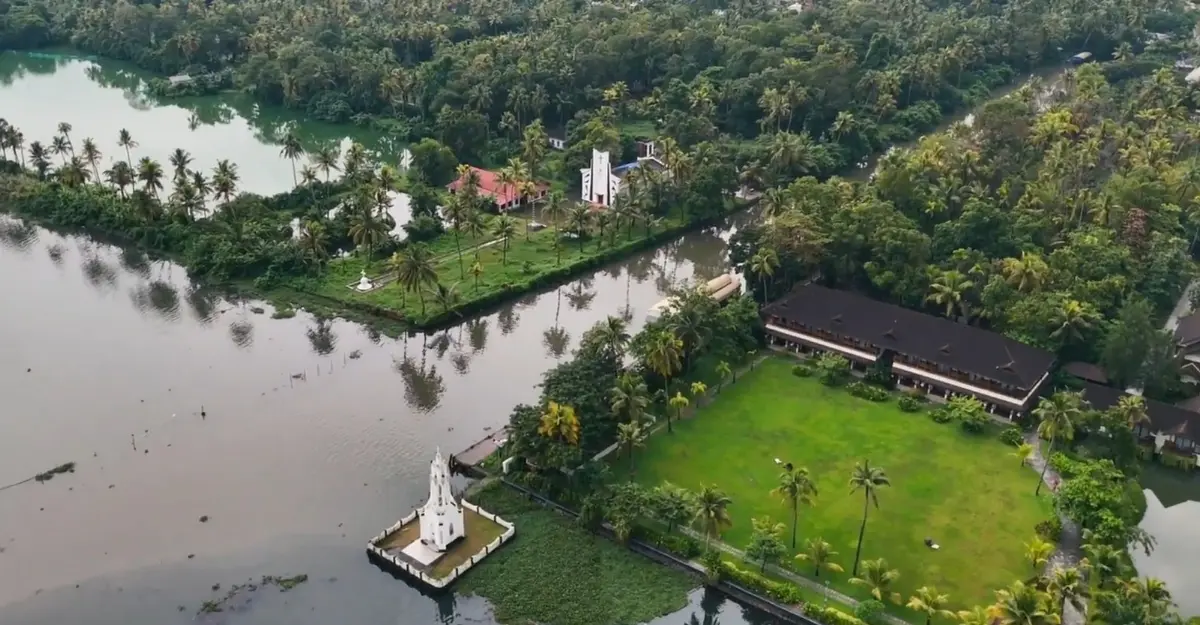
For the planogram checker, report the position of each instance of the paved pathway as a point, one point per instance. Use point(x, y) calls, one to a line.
point(786, 574)
point(1069, 544)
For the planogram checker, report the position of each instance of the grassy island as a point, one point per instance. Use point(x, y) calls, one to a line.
point(968, 493)
point(556, 572)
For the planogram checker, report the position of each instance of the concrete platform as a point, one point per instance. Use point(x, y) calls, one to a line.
point(399, 547)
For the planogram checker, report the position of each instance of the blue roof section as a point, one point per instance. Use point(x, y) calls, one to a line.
point(626, 167)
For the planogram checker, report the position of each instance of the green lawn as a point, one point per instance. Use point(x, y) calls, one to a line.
point(553, 571)
point(966, 492)
point(527, 257)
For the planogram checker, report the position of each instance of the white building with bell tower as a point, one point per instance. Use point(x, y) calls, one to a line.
point(442, 516)
point(601, 182)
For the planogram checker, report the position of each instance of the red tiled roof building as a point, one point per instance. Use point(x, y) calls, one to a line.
point(505, 197)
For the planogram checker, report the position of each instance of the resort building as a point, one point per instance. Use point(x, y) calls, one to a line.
point(504, 197)
point(1171, 428)
point(1187, 339)
point(923, 351)
point(601, 182)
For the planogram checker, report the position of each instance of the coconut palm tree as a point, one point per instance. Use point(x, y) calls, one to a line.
point(72, 174)
point(224, 181)
point(764, 263)
point(664, 354)
point(456, 212)
point(368, 231)
point(578, 219)
point(1068, 586)
point(1132, 410)
point(869, 480)
point(559, 422)
point(125, 140)
point(820, 554)
point(476, 271)
point(613, 334)
point(950, 290)
point(631, 435)
point(180, 160)
point(1027, 273)
point(878, 579)
point(1022, 604)
point(64, 129)
point(151, 175)
point(446, 296)
point(1057, 416)
point(416, 270)
point(326, 160)
point(1023, 452)
point(38, 156)
point(795, 488)
point(314, 241)
point(91, 156)
point(630, 397)
point(1073, 320)
point(1037, 553)
point(930, 603)
point(712, 512)
point(292, 150)
point(505, 228)
point(723, 372)
point(58, 147)
point(678, 403)
point(555, 210)
point(120, 176)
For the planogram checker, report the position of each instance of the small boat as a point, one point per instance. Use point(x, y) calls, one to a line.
point(720, 289)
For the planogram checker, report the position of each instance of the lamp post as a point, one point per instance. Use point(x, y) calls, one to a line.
point(826, 593)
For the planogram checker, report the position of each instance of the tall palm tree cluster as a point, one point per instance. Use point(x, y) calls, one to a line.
point(190, 189)
point(1017, 232)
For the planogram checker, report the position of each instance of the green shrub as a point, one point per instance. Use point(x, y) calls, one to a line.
point(1012, 436)
point(832, 369)
point(862, 390)
point(871, 612)
point(802, 371)
point(916, 394)
point(779, 591)
point(908, 403)
point(1050, 530)
point(682, 546)
point(713, 565)
point(941, 414)
point(830, 616)
point(973, 422)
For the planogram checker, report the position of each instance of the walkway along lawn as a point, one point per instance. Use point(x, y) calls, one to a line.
point(554, 571)
point(966, 492)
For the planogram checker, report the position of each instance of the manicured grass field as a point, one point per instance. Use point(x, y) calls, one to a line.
point(553, 571)
point(966, 492)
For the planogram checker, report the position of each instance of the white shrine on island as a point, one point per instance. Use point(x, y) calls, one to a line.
point(442, 539)
point(601, 182)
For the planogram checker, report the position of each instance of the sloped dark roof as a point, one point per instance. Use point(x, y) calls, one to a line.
point(886, 326)
point(1163, 417)
point(1188, 330)
point(1086, 371)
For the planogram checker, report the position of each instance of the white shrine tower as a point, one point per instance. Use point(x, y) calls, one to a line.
point(442, 516)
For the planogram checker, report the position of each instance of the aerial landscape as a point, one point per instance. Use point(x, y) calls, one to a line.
point(600, 313)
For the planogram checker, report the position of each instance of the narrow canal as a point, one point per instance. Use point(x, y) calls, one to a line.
point(296, 438)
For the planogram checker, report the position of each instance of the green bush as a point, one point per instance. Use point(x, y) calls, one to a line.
point(830, 616)
point(941, 414)
point(973, 422)
point(832, 369)
point(862, 390)
point(682, 546)
point(908, 403)
point(802, 371)
point(779, 591)
point(916, 394)
point(1012, 436)
point(871, 612)
point(1050, 530)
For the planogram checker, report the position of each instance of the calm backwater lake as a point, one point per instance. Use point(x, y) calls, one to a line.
point(107, 358)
